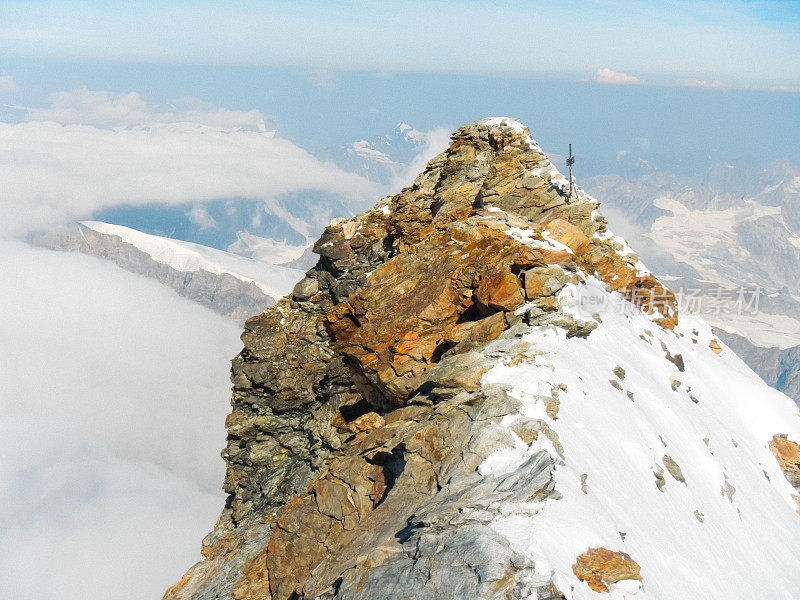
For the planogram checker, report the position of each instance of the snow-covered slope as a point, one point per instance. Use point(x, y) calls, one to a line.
point(728, 243)
point(230, 284)
point(182, 256)
point(729, 530)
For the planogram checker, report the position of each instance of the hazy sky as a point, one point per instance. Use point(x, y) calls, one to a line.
point(734, 42)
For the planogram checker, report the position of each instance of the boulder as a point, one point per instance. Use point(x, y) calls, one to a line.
point(499, 291)
point(544, 281)
point(568, 234)
point(600, 567)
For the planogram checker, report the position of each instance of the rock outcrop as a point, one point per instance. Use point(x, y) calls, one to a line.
point(787, 453)
point(600, 567)
point(364, 438)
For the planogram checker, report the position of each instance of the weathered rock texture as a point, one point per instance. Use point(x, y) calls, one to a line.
point(358, 418)
point(787, 453)
point(600, 567)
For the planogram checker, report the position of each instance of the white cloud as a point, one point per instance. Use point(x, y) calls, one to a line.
point(7, 84)
point(90, 150)
point(114, 396)
point(430, 143)
point(365, 150)
point(615, 78)
point(701, 83)
point(200, 216)
point(106, 109)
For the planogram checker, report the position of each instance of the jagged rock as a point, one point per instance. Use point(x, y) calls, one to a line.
point(600, 567)
point(544, 281)
point(499, 291)
point(787, 453)
point(360, 415)
point(673, 468)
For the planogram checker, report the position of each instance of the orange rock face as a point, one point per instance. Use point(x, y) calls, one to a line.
point(418, 305)
point(600, 567)
point(568, 234)
point(499, 291)
point(786, 452)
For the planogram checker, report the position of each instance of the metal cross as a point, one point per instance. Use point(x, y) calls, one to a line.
point(570, 162)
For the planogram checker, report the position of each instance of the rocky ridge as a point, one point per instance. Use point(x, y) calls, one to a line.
point(364, 428)
point(230, 293)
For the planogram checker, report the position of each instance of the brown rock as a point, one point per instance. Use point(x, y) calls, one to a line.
point(787, 453)
point(500, 291)
point(367, 422)
point(673, 468)
point(568, 234)
point(544, 281)
point(600, 567)
point(551, 407)
point(333, 499)
point(715, 347)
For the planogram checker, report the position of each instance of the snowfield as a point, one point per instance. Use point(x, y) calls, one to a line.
point(731, 530)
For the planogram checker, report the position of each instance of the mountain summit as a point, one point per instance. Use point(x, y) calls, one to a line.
point(479, 392)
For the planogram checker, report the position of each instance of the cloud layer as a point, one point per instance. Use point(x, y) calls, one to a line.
point(115, 391)
point(106, 109)
point(89, 150)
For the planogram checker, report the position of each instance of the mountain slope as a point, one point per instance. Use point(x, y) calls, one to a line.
point(778, 367)
point(232, 285)
point(481, 392)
